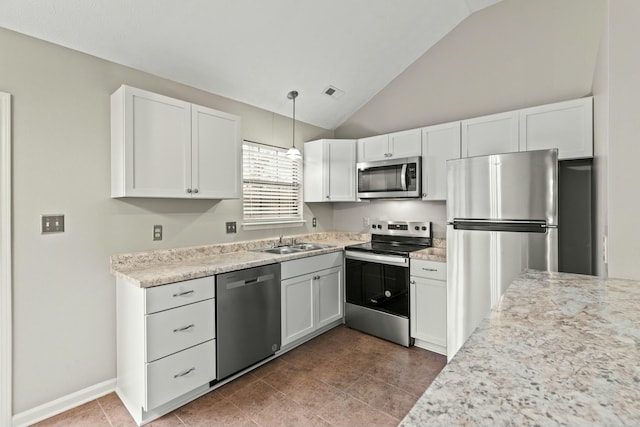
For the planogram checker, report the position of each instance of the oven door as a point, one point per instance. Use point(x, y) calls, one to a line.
point(378, 282)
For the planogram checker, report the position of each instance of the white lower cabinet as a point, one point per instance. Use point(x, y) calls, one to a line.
point(312, 295)
point(179, 373)
point(428, 311)
point(166, 346)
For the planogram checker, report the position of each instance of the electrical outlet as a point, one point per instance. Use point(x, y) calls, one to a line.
point(366, 221)
point(231, 227)
point(51, 224)
point(314, 222)
point(157, 232)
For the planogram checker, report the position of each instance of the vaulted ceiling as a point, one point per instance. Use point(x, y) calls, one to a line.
point(254, 51)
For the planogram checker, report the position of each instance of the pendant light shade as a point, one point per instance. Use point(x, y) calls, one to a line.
point(293, 152)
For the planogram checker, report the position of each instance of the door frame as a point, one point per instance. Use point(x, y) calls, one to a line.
point(5, 262)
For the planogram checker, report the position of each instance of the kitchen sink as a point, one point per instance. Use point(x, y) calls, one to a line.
point(309, 246)
point(282, 250)
point(295, 248)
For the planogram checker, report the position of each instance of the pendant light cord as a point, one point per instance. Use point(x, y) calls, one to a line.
point(293, 95)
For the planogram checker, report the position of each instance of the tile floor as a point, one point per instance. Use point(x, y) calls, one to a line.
point(341, 378)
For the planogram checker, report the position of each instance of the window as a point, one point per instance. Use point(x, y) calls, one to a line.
point(271, 185)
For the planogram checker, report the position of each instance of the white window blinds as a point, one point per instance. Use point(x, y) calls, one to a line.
point(272, 185)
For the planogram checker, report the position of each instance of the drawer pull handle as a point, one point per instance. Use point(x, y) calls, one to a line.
point(182, 374)
point(181, 294)
point(184, 328)
point(429, 269)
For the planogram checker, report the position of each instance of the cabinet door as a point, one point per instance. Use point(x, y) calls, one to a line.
point(150, 143)
point(298, 310)
point(567, 126)
point(494, 134)
point(316, 181)
point(330, 296)
point(216, 150)
point(405, 144)
point(373, 148)
point(429, 313)
point(439, 144)
point(341, 159)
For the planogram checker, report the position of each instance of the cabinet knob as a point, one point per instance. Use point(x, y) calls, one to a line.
point(413, 282)
point(424, 194)
point(195, 191)
point(189, 190)
point(328, 197)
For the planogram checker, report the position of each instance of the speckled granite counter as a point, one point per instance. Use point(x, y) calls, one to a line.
point(559, 349)
point(153, 268)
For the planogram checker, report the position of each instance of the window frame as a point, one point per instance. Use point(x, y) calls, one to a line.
point(273, 155)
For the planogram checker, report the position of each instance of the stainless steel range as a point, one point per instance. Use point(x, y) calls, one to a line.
point(377, 279)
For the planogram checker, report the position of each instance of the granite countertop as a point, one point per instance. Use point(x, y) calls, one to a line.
point(558, 349)
point(154, 268)
point(160, 267)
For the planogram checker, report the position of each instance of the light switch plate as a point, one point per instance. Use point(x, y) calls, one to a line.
point(314, 223)
point(231, 227)
point(52, 223)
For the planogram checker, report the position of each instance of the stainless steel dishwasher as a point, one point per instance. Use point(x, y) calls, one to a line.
point(247, 317)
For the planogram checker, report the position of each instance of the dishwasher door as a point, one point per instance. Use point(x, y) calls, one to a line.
point(248, 318)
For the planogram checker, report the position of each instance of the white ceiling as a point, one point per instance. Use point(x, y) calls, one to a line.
point(253, 51)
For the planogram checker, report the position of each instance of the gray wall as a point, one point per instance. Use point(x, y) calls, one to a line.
point(624, 139)
point(514, 54)
point(64, 296)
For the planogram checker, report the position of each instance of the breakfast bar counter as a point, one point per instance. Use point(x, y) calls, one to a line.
point(557, 349)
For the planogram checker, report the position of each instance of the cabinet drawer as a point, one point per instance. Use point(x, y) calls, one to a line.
point(173, 330)
point(307, 265)
point(429, 269)
point(181, 293)
point(179, 373)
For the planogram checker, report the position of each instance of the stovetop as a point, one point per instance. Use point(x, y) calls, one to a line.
point(396, 238)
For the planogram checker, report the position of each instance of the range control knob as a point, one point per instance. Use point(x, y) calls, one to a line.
point(373, 226)
point(417, 228)
point(379, 227)
point(424, 228)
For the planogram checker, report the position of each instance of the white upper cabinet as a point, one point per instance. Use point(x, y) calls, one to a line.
point(567, 126)
point(216, 153)
point(494, 134)
point(165, 147)
point(406, 143)
point(329, 170)
point(394, 145)
point(439, 144)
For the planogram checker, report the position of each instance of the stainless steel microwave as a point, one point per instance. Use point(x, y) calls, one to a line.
point(390, 179)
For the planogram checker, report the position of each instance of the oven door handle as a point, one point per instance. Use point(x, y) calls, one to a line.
point(377, 258)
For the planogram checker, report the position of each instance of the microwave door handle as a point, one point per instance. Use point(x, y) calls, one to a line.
point(403, 177)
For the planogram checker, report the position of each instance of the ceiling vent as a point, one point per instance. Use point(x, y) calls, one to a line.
point(333, 92)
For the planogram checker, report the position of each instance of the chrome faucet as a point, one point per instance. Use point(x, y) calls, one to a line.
point(280, 240)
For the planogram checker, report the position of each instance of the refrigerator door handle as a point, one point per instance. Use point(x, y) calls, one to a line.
point(520, 226)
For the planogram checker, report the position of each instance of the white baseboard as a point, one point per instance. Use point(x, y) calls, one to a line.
point(64, 403)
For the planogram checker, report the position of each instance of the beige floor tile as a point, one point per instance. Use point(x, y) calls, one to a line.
point(89, 414)
point(345, 410)
point(383, 396)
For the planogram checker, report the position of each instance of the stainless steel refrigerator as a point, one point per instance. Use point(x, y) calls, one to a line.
point(502, 218)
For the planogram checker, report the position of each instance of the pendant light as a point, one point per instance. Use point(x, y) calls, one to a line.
point(293, 153)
